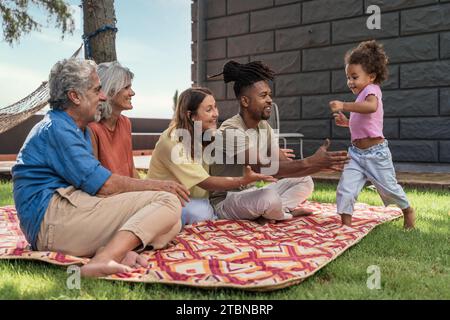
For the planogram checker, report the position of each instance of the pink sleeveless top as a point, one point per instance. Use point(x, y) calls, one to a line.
point(368, 125)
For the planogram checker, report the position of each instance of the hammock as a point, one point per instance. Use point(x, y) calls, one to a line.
point(20, 111)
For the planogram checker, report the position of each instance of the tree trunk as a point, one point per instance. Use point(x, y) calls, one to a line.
point(97, 14)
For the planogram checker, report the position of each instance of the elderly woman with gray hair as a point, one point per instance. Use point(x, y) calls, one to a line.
point(111, 135)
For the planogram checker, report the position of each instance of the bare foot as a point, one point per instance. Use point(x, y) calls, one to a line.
point(103, 268)
point(134, 260)
point(263, 221)
point(285, 216)
point(346, 220)
point(301, 212)
point(409, 218)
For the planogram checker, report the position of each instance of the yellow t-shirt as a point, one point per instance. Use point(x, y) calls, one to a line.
point(163, 166)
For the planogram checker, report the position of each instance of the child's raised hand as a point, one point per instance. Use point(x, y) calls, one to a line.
point(340, 119)
point(336, 106)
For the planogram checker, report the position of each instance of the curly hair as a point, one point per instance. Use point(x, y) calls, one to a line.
point(372, 57)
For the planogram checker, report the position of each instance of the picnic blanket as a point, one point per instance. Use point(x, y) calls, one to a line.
point(224, 253)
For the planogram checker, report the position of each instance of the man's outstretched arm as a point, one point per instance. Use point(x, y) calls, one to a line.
point(322, 159)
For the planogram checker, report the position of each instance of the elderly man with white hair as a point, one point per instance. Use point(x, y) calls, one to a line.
point(68, 202)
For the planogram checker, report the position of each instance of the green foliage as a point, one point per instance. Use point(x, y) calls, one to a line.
point(6, 197)
point(17, 21)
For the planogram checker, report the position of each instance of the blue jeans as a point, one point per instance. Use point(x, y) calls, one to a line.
point(197, 210)
point(375, 165)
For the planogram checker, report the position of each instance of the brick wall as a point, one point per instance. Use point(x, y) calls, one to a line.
point(305, 41)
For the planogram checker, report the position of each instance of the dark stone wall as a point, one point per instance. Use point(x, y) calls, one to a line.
point(305, 41)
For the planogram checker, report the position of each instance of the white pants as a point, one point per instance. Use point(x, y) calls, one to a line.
point(274, 201)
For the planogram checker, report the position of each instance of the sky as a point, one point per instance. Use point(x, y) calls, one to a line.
point(153, 41)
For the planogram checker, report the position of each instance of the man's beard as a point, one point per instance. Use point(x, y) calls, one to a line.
point(264, 116)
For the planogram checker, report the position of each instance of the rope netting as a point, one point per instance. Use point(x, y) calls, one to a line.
point(25, 108)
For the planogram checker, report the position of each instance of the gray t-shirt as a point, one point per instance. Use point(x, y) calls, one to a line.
point(237, 139)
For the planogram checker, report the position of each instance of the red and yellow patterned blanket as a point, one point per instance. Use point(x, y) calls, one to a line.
point(238, 254)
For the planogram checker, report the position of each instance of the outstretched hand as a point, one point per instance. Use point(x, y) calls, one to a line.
point(329, 160)
point(251, 176)
point(325, 145)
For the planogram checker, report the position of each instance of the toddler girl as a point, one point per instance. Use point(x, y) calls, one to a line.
point(366, 69)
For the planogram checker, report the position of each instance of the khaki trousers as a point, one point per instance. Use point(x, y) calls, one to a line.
point(78, 224)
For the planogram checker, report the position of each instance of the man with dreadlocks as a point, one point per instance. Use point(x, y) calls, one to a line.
point(248, 132)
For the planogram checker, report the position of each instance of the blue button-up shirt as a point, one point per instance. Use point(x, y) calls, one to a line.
point(56, 154)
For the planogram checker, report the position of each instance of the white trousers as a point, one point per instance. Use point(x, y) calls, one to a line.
point(274, 201)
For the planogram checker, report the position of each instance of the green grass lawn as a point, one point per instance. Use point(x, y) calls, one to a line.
point(414, 265)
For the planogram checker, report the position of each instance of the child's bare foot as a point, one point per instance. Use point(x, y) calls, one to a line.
point(346, 220)
point(301, 212)
point(409, 218)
